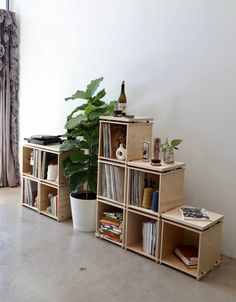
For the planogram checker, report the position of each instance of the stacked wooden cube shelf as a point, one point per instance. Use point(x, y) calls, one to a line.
point(112, 172)
point(35, 185)
point(205, 235)
point(169, 180)
point(117, 193)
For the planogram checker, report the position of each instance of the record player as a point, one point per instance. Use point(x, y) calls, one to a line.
point(44, 139)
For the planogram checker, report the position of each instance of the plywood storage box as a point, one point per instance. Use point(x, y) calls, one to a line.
point(151, 231)
point(112, 171)
point(37, 188)
point(205, 235)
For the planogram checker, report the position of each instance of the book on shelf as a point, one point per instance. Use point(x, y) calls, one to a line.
point(188, 254)
point(149, 234)
point(192, 213)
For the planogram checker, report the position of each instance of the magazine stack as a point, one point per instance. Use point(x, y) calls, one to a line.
point(111, 224)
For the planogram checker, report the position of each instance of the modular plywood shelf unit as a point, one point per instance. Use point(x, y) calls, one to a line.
point(168, 181)
point(142, 233)
point(204, 235)
point(112, 171)
point(48, 197)
point(153, 232)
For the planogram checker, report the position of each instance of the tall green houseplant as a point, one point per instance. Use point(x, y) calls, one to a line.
point(82, 125)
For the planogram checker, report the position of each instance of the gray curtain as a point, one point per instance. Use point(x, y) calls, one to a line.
point(9, 165)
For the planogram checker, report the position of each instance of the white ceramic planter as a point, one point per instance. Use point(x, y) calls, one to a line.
point(83, 214)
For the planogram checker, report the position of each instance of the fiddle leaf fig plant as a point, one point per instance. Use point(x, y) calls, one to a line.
point(82, 137)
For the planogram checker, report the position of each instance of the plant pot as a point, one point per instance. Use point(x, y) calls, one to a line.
point(83, 212)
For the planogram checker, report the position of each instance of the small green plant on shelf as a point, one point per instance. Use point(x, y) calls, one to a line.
point(167, 149)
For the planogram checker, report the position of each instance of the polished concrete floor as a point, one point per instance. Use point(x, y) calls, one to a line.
point(43, 260)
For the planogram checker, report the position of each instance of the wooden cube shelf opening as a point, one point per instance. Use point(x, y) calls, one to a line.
point(142, 234)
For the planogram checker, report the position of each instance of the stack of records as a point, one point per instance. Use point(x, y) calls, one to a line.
point(111, 224)
point(188, 255)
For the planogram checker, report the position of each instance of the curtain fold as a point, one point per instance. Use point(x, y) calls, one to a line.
point(9, 164)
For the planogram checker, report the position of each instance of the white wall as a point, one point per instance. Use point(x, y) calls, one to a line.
point(178, 60)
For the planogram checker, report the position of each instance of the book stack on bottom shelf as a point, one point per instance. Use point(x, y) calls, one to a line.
point(188, 254)
point(111, 226)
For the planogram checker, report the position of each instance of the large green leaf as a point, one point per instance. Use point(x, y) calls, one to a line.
point(73, 168)
point(176, 142)
point(70, 145)
point(79, 157)
point(77, 180)
point(81, 107)
point(94, 162)
point(94, 112)
point(92, 182)
point(78, 95)
point(89, 124)
point(92, 87)
point(90, 108)
point(98, 96)
point(75, 121)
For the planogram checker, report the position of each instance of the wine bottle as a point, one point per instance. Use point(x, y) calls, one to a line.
point(122, 101)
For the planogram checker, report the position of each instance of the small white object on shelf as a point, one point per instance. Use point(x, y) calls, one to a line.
point(52, 172)
point(121, 153)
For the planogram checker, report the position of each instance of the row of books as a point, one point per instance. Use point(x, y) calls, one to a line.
point(111, 226)
point(188, 254)
point(30, 192)
point(113, 182)
point(149, 233)
point(34, 162)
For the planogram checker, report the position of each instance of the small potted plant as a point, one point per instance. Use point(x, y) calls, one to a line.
point(80, 166)
point(167, 149)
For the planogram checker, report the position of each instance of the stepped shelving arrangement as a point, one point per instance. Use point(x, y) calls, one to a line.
point(138, 203)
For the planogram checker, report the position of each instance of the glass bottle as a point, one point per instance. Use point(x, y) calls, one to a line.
point(156, 161)
point(122, 101)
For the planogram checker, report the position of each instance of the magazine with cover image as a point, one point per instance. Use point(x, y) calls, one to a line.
point(191, 213)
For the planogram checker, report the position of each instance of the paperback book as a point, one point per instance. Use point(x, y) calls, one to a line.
point(191, 213)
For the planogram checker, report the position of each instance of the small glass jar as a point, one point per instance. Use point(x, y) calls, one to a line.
point(169, 156)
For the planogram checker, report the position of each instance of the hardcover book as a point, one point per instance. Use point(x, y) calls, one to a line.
point(191, 213)
point(188, 254)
